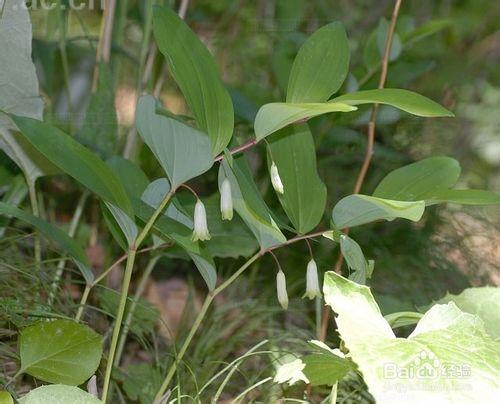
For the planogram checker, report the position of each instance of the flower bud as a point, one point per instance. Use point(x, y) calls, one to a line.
point(276, 180)
point(200, 231)
point(226, 200)
point(312, 283)
point(281, 289)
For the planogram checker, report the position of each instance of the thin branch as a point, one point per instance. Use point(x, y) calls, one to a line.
point(104, 46)
point(248, 145)
point(370, 144)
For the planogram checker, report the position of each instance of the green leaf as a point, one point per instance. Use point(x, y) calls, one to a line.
point(60, 351)
point(483, 302)
point(321, 65)
point(447, 350)
point(354, 210)
point(6, 398)
point(59, 394)
point(19, 89)
point(430, 180)
point(464, 197)
point(419, 181)
point(100, 127)
point(396, 47)
point(403, 318)
point(294, 153)
point(182, 151)
point(141, 382)
point(355, 259)
point(275, 116)
point(325, 369)
point(134, 180)
point(405, 100)
point(59, 237)
point(248, 202)
point(195, 72)
point(75, 160)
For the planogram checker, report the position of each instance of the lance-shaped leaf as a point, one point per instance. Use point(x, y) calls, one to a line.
point(195, 72)
point(182, 151)
point(59, 394)
point(321, 65)
point(304, 199)
point(405, 100)
point(248, 202)
point(447, 350)
point(19, 88)
point(430, 180)
point(355, 260)
point(60, 351)
point(418, 181)
point(275, 116)
point(354, 210)
point(75, 160)
point(59, 237)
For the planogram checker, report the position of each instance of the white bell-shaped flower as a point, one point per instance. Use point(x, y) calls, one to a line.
point(276, 180)
point(312, 282)
point(226, 200)
point(281, 289)
point(200, 231)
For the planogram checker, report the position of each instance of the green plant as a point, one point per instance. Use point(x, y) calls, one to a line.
point(156, 217)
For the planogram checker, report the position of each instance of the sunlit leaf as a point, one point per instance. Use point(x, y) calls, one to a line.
point(447, 349)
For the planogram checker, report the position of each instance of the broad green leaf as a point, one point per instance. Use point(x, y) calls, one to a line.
point(403, 318)
point(59, 394)
point(405, 100)
point(483, 302)
point(419, 181)
point(248, 202)
point(464, 197)
point(141, 382)
point(67, 244)
point(124, 222)
point(321, 65)
point(447, 350)
point(325, 369)
point(195, 72)
point(182, 151)
point(355, 259)
point(134, 180)
point(19, 89)
point(275, 116)
point(6, 398)
point(354, 210)
point(100, 127)
point(304, 199)
point(60, 351)
point(75, 160)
